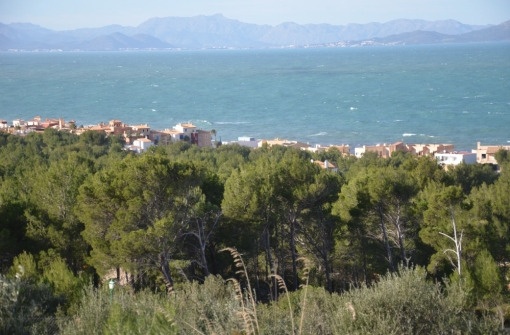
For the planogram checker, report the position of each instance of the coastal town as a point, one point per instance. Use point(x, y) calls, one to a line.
point(139, 138)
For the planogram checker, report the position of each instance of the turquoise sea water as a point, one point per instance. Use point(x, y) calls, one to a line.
point(456, 94)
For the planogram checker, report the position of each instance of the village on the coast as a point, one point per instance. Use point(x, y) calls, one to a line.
point(139, 138)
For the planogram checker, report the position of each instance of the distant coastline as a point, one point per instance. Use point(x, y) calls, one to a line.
point(219, 32)
point(140, 137)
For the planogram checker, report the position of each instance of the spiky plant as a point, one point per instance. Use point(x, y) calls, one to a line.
point(306, 270)
point(283, 287)
point(248, 312)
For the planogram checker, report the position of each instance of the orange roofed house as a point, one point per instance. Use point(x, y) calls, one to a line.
point(183, 132)
point(326, 165)
point(386, 150)
point(486, 154)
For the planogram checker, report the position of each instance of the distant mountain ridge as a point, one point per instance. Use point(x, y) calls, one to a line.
point(217, 31)
point(500, 32)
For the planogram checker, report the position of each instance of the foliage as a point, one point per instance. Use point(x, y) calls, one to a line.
point(487, 276)
point(150, 203)
point(51, 273)
point(27, 307)
point(122, 312)
point(208, 308)
point(76, 209)
point(403, 303)
point(502, 156)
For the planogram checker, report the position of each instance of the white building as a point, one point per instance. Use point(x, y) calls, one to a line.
point(186, 128)
point(455, 158)
point(247, 141)
point(18, 123)
point(141, 144)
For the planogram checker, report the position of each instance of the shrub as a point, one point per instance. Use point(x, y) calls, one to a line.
point(208, 308)
point(26, 307)
point(121, 313)
point(407, 303)
point(403, 303)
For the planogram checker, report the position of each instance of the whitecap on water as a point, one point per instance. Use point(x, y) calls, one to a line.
point(231, 122)
point(408, 134)
point(322, 133)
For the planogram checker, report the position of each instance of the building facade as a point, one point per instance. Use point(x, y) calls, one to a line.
point(486, 154)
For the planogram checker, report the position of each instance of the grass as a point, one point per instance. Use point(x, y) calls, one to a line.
point(246, 299)
point(403, 303)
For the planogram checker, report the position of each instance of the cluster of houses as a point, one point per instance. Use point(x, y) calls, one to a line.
point(139, 138)
point(445, 154)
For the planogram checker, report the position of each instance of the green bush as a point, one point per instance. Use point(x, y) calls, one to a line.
point(27, 307)
point(209, 308)
point(409, 304)
point(399, 303)
point(404, 303)
point(123, 312)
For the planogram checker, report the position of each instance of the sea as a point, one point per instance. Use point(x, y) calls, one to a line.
point(456, 93)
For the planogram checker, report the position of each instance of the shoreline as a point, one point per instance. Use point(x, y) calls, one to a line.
point(134, 135)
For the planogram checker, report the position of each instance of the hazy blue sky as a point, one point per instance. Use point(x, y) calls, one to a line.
point(69, 14)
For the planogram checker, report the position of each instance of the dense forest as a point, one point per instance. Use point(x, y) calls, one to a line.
point(233, 240)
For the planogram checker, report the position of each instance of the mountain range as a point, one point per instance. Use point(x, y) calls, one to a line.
point(219, 32)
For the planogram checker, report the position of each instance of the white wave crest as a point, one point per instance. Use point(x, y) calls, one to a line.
point(202, 122)
point(322, 133)
point(231, 122)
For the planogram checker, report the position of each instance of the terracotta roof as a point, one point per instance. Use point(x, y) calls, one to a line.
point(141, 126)
point(171, 132)
point(492, 150)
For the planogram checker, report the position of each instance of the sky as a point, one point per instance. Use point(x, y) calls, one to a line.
point(72, 14)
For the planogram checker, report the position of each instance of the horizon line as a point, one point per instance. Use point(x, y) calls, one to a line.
point(258, 24)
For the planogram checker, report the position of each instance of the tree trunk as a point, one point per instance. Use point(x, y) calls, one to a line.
point(329, 284)
point(293, 253)
point(165, 270)
point(202, 241)
point(270, 266)
point(400, 235)
point(385, 239)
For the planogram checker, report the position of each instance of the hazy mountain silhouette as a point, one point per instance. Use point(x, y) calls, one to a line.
point(217, 31)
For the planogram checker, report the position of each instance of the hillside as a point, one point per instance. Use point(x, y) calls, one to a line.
point(217, 31)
